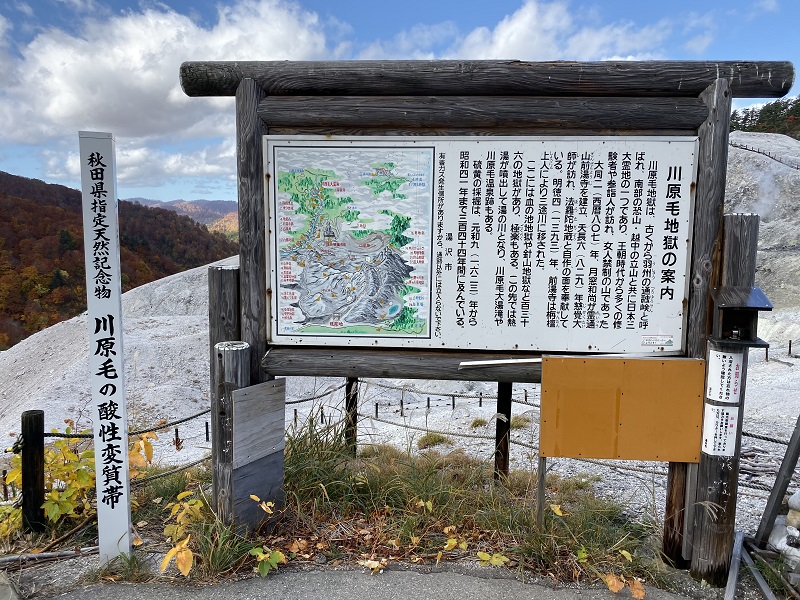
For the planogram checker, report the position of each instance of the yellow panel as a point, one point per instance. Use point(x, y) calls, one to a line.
point(622, 408)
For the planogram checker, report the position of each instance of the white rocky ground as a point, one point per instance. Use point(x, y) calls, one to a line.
point(167, 371)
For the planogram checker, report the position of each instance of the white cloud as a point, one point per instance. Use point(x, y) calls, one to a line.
point(121, 74)
point(419, 42)
point(767, 5)
point(548, 31)
point(699, 43)
point(141, 166)
point(24, 8)
point(534, 31)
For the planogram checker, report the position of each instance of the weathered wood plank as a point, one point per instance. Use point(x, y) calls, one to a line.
point(706, 260)
point(259, 417)
point(250, 479)
point(392, 363)
point(747, 79)
point(475, 131)
point(252, 224)
point(709, 206)
point(482, 111)
point(232, 365)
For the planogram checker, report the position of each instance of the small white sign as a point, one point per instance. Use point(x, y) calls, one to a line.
point(724, 376)
point(104, 320)
point(719, 430)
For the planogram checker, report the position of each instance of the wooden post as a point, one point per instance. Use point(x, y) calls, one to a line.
point(33, 470)
point(253, 261)
point(232, 372)
point(706, 245)
point(351, 408)
point(224, 324)
point(718, 471)
point(502, 431)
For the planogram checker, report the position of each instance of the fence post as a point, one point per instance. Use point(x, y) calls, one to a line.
point(33, 470)
point(351, 408)
point(223, 312)
point(231, 372)
point(718, 471)
point(502, 431)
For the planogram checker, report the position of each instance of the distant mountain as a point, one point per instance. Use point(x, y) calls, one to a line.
point(42, 279)
point(221, 216)
point(205, 212)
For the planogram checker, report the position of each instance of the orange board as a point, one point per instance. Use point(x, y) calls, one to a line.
point(622, 408)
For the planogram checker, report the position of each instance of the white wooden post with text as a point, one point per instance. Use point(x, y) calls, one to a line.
point(104, 321)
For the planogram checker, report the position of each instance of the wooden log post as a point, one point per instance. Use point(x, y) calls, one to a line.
point(718, 471)
point(223, 320)
point(706, 245)
point(749, 79)
point(232, 372)
point(33, 470)
point(254, 304)
point(503, 430)
point(351, 408)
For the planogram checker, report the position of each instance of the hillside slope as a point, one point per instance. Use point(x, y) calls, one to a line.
point(41, 252)
point(771, 189)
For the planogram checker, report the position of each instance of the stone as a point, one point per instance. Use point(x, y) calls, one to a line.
point(793, 518)
point(7, 591)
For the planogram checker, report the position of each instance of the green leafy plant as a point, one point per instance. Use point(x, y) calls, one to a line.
point(267, 560)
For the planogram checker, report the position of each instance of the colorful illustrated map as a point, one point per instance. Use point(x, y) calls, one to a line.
point(353, 240)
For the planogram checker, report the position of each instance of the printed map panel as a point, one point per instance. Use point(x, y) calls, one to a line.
point(353, 241)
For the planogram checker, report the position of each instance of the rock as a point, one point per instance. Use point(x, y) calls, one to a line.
point(794, 501)
point(7, 591)
point(793, 518)
point(777, 539)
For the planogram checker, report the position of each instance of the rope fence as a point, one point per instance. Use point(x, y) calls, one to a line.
point(783, 161)
point(519, 397)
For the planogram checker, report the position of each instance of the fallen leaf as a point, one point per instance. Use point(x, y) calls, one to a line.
point(637, 589)
point(556, 509)
point(627, 555)
point(451, 543)
point(613, 582)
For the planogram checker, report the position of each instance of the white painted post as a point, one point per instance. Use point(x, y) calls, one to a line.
point(104, 320)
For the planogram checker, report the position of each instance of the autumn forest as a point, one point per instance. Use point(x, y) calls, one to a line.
point(41, 252)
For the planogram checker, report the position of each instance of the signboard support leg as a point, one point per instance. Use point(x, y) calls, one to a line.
point(718, 472)
point(503, 428)
point(252, 224)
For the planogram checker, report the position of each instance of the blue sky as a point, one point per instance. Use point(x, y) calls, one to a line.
point(71, 65)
